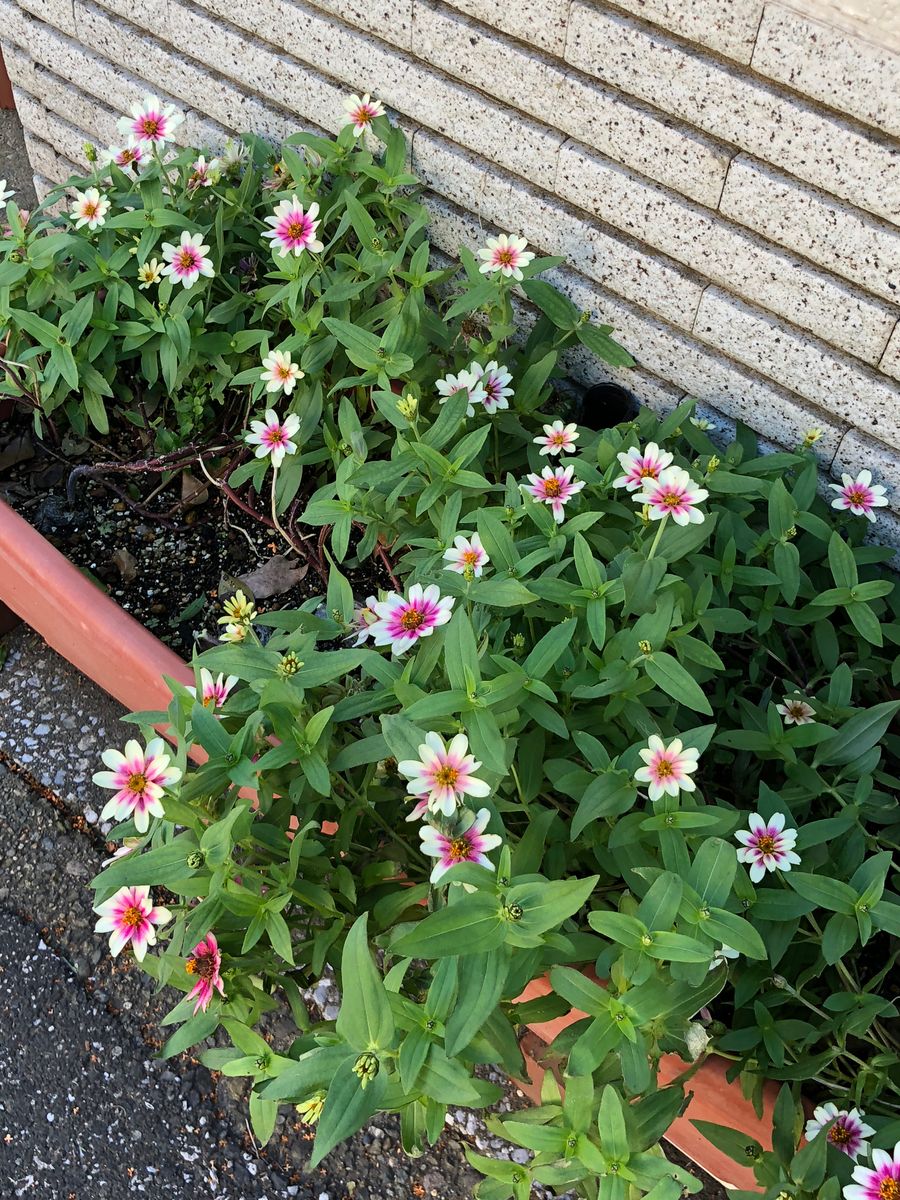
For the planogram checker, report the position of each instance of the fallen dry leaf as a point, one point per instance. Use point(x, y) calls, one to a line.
point(16, 450)
point(193, 492)
point(277, 575)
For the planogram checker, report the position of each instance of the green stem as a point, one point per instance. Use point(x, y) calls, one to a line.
point(659, 534)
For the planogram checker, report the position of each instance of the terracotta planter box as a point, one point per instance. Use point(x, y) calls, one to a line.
point(102, 641)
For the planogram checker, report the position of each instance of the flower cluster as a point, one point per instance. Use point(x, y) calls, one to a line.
point(239, 615)
point(485, 385)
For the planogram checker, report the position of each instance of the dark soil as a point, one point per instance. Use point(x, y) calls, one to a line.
point(170, 571)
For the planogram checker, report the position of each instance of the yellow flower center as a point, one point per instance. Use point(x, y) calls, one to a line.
point(671, 499)
point(766, 844)
point(446, 776)
point(664, 769)
point(471, 557)
point(459, 849)
point(202, 965)
point(132, 917)
point(90, 209)
point(647, 472)
point(137, 783)
point(186, 260)
point(209, 702)
point(296, 229)
point(283, 373)
point(506, 257)
point(839, 1134)
point(889, 1189)
point(412, 619)
point(150, 127)
point(552, 488)
point(857, 496)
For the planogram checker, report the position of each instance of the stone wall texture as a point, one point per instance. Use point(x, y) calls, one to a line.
point(723, 176)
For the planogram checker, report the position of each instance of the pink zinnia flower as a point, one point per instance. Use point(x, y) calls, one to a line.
point(848, 1133)
point(420, 809)
point(213, 692)
point(466, 554)
point(89, 208)
point(858, 495)
point(556, 488)
point(767, 846)
point(281, 372)
point(668, 769)
point(506, 255)
point(673, 494)
point(124, 156)
point(187, 261)
point(151, 122)
point(638, 466)
point(130, 916)
point(882, 1183)
point(204, 962)
point(361, 112)
point(558, 438)
point(203, 173)
point(492, 380)
point(401, 622)
point(273, 436)
point(465, 381)
point(293, 229)
point(796, 712)
point(365, 618)
point(467, 843)
point(139, 777)
point(443, 774)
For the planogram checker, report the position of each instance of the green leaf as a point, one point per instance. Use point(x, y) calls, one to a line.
point(669, 675)
point(608, 795)
point(734, 931)
point(606, 348)
point(713, 871)
point(473, 925)
point(547, 904)
point(365, 1019)
point(827, 893)
point(548, 650)
point(842, 562)
point(561, 311)
point(481, 981)
point(348, 1105)
point(611, 1125)
point(194, 1030)
point(863, 731)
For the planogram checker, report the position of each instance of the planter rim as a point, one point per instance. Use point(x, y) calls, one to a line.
point(105, 643)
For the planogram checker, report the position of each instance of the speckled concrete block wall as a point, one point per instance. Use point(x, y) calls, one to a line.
point(723, 176)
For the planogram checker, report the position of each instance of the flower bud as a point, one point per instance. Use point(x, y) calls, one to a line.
point(366, 1068)
point(644, 646)
point(811, 437)
point(310, 1110)
point(712, 465)
point(90, 151)
point(513, 912)
point(408, 406)
point(195, 860)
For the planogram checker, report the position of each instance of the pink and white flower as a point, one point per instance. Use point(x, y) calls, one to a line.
point(506, 254)
point(89, 208)
point(205, 962)
point(493, 380)
point(880, 1182)
point(667, 769)
point(213, 691)
point(281, 373)
point(722, 955)
point(149, 272)
point(273, 436)
point(4, 192)
point(858, 496)
point(401, 622)
point(556, 488)
point(848, 1133)
point(673, 494)
point(467, 843)
point(466, 554)
point(558, 438)
point(767, 846)
point(187, 261)
point(203, 173)
point(293, 229)
point(124, 156)
point(139, 778)
point(443, 774)
point(130, 916)
point(638, 466)
point(796, 711)
point(151, 122)
point(361, 111)
point(365, 619)
point(465, 381)
point(420, 809)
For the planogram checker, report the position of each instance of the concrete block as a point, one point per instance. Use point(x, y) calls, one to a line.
point(728, 26)
point(152, 15)
point(858, 452)
point(837, 236)
point(19, 66)
point(804, 365)
point(699, 371)
point(425, 96)
point(844, 72)
point(42, 123)
point(48, 163)
point(628, 132)
point(540, 23)
point(556, 228)
point(59, 13)
point(890, 362)
point(845, 160)
point(725, 253)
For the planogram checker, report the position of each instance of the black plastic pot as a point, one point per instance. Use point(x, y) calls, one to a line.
point(605, 405)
